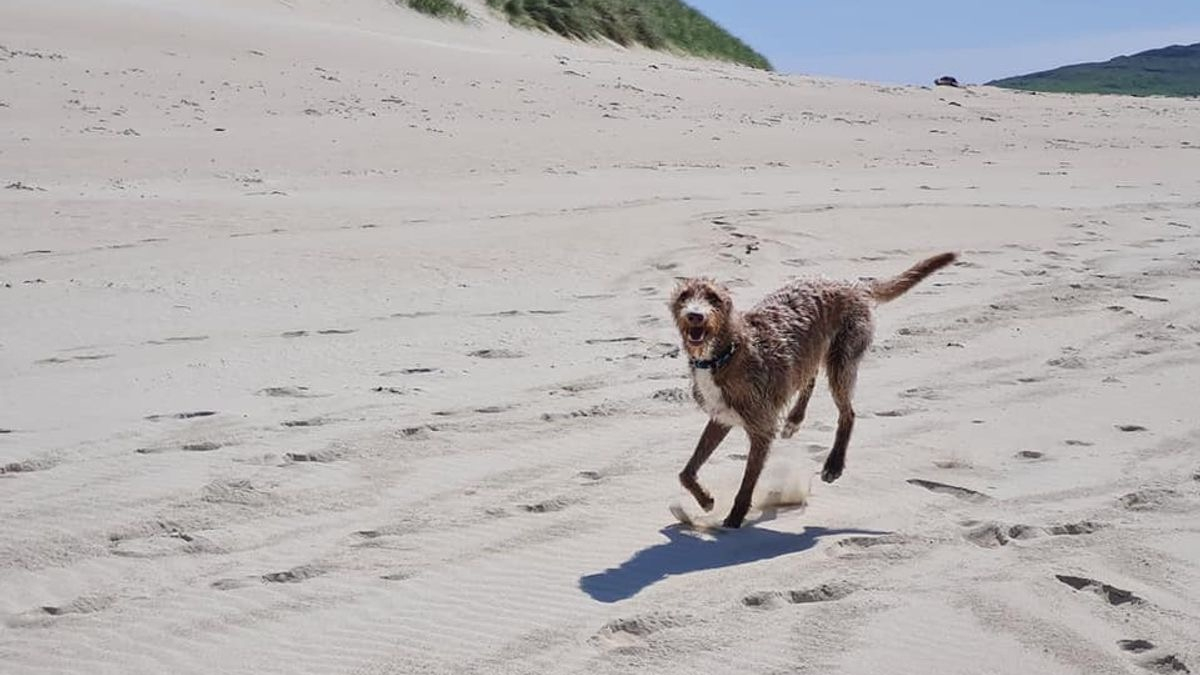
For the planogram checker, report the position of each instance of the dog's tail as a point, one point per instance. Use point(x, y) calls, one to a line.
point(884, 290)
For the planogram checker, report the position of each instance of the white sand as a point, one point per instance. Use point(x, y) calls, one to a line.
point(426, 191)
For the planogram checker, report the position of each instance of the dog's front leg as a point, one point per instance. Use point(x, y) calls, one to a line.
point(760, 444)
point(713, 434)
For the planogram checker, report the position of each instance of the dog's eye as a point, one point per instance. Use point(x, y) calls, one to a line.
point(712, 298)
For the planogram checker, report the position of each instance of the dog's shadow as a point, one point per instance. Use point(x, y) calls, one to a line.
point(686, 551)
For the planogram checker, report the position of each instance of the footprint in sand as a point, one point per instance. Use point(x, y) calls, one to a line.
point(1068, 362)
point(494, 409)
point(600, 341)
point(318, 456)
point(598, 410)
point(1114, 595)
point(88, 604)
point(310, 422)
point(398, 576)
point(420, 433)
point(923, 393)
point(295, 575)
point(1135, 646)
point(82, 357)
point(1165, 664)
point(235, 491)
point(1150, 298)
point(777, 599)
point(879, 547)
point(327, 331)
point(181, 416)
point(798, 262)
point(230, 584)
point(178, 340)
point(549, 505)
point(1024, 532)
point(952, 490)
point(1150, 499)
point(672, 395)
point(990, 535)
point(202, 446)
point(198, 446)
point(26, 466)
point(288, 392)
point(631, 634)
point(895, 413)
point(420, 370)
point(1072, 529)
point(496, 354)
point(951, 464)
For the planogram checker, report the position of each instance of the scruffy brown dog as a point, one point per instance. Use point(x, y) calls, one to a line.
point(747, 366)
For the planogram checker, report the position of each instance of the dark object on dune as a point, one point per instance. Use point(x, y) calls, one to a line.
point(946, 81)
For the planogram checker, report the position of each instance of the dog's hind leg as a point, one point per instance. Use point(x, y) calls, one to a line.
point(796, 416)
point(713, 434)
point(841, 364)
point(836, 462)
point(760, 444)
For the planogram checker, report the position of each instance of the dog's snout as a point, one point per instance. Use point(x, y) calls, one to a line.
point(694, 318)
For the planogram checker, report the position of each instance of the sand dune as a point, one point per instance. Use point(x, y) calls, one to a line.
point(334, 341)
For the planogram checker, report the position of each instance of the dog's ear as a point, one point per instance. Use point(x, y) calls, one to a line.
point(726, 299)
point(721, 291)
point(681, 285)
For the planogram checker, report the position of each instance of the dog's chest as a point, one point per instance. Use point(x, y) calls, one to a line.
point(712, 400)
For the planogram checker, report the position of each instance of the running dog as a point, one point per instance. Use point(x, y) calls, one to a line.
point(747, 367)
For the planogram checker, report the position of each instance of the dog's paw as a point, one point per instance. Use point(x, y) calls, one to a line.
point(732, 522)
point(789, 430)
point(830, 473)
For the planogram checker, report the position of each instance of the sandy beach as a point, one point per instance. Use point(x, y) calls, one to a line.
point(334, 339)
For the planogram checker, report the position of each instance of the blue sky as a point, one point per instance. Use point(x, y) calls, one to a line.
point(916, 41)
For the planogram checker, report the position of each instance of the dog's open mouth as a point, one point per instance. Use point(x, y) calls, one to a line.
point(695, 335)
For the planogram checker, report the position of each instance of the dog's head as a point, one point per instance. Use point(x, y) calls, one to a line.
point(701, 309)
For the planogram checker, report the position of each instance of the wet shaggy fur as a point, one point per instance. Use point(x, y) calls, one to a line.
point(775, 352)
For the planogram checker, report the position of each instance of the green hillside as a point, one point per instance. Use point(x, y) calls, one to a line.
point(1170, 71)
point(657, 24)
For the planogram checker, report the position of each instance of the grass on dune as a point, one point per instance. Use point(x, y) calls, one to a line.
point(656, 24)
point(442, 9)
